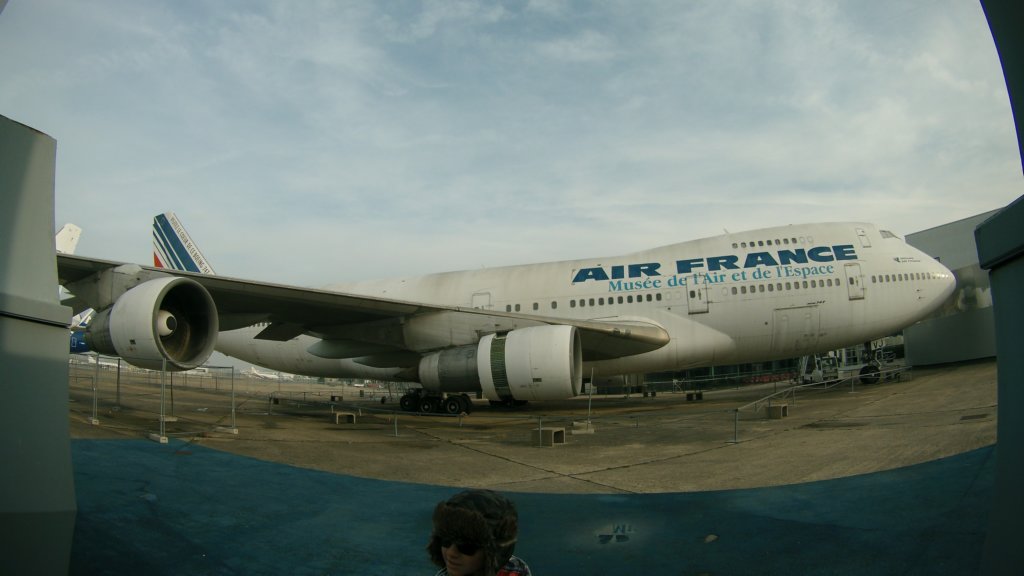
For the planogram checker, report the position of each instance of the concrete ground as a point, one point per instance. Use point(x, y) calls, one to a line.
point(639, 445)
point(893, 478)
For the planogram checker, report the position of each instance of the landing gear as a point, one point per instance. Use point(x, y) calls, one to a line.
point(410, 402)
point(869, 374)
point(456, 405)
point(419, 401)
point(429, 404)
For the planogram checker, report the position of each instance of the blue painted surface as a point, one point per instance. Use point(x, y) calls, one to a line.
point(145, 508)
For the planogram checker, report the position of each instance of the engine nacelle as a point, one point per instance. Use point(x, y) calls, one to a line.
point(536, 363)
point(172, 319)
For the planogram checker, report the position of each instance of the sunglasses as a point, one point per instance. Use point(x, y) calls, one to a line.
point(465, 548)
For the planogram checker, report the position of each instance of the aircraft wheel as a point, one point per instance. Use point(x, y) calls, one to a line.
point(869, 374)
point(409, 402)
point(428, 404)
point(453, 405)
point(467, 404)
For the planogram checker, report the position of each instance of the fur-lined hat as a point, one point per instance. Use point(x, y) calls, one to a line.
point(481, 517)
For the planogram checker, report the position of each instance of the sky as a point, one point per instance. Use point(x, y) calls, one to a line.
point(318, 141)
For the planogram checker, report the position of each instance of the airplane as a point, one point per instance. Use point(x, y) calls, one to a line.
point(257, 373)
point(174, 249)
point(66, 241)
point(67, 237)
point(529, 332)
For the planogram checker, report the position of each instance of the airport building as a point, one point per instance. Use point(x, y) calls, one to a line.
point(964, 328)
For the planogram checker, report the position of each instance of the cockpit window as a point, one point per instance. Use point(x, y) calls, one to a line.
point(887, 234)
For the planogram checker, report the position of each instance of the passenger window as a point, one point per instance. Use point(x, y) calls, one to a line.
point(572, 303)
point(771, 287)
point(554, 305)
point(658, 296)
point(760, 287)
point(788, 286)
point(508, 308)
point(536, 306)
point(517, 307)
point(591, 302)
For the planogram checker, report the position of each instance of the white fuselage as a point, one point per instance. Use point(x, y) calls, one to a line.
point(765, 294)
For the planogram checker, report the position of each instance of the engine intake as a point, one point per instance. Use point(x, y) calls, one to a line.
point(536, 363)
point(168, 319)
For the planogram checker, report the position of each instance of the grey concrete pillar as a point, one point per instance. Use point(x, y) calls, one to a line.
point(37, 496)
point(1001, 251)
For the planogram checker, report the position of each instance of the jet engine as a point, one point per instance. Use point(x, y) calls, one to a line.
point(536, 363)
point(167, 319)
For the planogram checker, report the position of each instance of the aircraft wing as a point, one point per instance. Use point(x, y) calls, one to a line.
point(290, 311)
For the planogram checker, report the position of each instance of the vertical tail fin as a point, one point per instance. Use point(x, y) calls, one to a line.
point(67, 238)
point(173, 248)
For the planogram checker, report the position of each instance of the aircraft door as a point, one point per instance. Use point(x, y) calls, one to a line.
point(697, 299)
point(865, 241)
point(481, 300)
point(854, 281)
point(795, 330)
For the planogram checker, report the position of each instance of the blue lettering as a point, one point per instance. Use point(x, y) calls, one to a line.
point(798, 256)
point(844, 252)
point(720, 262)
point(779, 259)
point(755, 259)
point(687, 266)
point(649, 269)
point(820, 254)
point(585, 274)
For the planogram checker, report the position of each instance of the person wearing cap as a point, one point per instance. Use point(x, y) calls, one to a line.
point(475, 534)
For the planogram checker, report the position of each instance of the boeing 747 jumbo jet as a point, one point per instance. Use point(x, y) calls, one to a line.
point(528, 332)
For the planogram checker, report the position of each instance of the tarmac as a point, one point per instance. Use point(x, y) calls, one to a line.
point(890, 478)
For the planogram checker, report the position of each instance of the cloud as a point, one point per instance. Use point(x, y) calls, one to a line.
point(335, 141)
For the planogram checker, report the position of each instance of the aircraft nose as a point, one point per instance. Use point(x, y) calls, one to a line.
point(946, 284)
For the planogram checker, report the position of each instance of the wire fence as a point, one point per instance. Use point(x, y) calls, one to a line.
point(110, 394)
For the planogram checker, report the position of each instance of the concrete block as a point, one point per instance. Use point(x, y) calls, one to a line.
point(582, 428)
point(547, 436)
